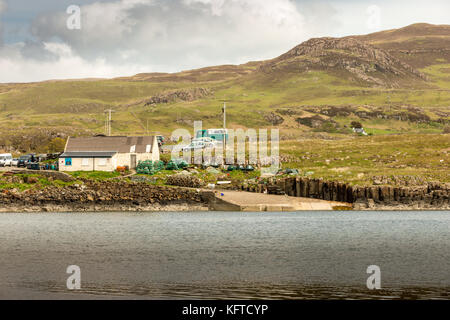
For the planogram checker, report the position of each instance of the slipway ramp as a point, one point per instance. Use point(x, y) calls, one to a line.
point(257, 202)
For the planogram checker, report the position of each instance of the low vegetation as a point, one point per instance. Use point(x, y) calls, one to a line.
point(23, 182)
point(359, 159)
point(309, 93)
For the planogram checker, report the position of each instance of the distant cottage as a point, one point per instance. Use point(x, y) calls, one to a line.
point(360, 131)
point(103, 153)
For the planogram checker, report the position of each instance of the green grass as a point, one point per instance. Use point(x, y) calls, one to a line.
point(358, 159)
point(19, 186)
point(440, 75)
point(94, 175)
point(41, 182)
point(80, 104)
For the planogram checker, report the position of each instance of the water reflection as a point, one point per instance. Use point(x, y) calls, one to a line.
point(213, 255)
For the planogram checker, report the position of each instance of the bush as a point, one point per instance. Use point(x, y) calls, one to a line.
point(159, 165)
point(165, 157)
point(356, 125)
point(181, 164)
point(146, 167)
point(172, 165)
point(328, 127)
point(446, 130)
point(149, 167)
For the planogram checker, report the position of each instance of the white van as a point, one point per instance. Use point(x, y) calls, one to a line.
point(5, 159)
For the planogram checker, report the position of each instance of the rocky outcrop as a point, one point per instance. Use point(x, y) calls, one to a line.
point(183, 95)
point(274, 119)
point(184, 180)
point(359, 59)
point(315, 121)
point(368, 112)
point(434, 196)
point(102, 196)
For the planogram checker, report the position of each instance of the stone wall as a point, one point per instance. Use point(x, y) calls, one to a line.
point(57, 175)
point(108, 196)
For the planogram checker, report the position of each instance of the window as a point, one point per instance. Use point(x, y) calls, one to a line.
point(68, 162)
point(148, 148)
point(102, 162)
point(133, 149)
point(85, 162)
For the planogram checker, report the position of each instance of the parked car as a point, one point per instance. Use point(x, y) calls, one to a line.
point(14, 162)
point(53, 156)
point(33, 166)
point(196, 145)
point(216, 134)
point(209, 141)
point(5, 159)
point(25, 160)
point(161, 140)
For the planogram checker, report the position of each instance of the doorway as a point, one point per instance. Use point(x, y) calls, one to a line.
point(133, 162)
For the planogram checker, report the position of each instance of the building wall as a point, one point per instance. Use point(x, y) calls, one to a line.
point(118, 160)
point(124, 159)
point(111, 164)
point(88, 164)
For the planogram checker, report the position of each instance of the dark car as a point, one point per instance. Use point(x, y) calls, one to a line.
point(161, 140)
point(23, 161)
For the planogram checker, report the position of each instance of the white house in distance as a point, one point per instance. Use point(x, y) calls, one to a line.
point(102, 153)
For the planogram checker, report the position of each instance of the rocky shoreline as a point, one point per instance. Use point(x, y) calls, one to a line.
point(429, 196)
point(111, 196)
point(122, 196)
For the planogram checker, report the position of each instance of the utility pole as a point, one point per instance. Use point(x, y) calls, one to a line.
point(108, 121)
point(224, 114)
point(224, 135)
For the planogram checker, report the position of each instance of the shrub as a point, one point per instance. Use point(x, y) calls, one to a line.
point(446, 130)
point(146, 167)
point(172, 165)
point(356, 125)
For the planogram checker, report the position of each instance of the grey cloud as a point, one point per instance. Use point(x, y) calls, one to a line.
point(123, 37)
point(185, 33)
point(2, 9)
point(36, 51)
point(320, 17)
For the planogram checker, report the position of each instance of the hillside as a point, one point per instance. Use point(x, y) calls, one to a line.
point(352, 59)
point(395, 81)
point(420, 45)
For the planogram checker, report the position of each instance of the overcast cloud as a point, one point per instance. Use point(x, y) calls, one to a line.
point(125, 37)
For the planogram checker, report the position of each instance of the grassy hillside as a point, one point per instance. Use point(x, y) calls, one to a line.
point(395, 82)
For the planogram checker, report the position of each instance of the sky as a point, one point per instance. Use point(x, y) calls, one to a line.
point(42, 40)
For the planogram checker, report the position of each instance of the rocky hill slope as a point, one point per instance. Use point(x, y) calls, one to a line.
point(419, 45)
point(356, 60)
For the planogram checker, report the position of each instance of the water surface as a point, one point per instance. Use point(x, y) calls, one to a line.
point(240, 255)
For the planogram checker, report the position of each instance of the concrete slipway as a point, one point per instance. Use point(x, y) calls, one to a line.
point(256, 202)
